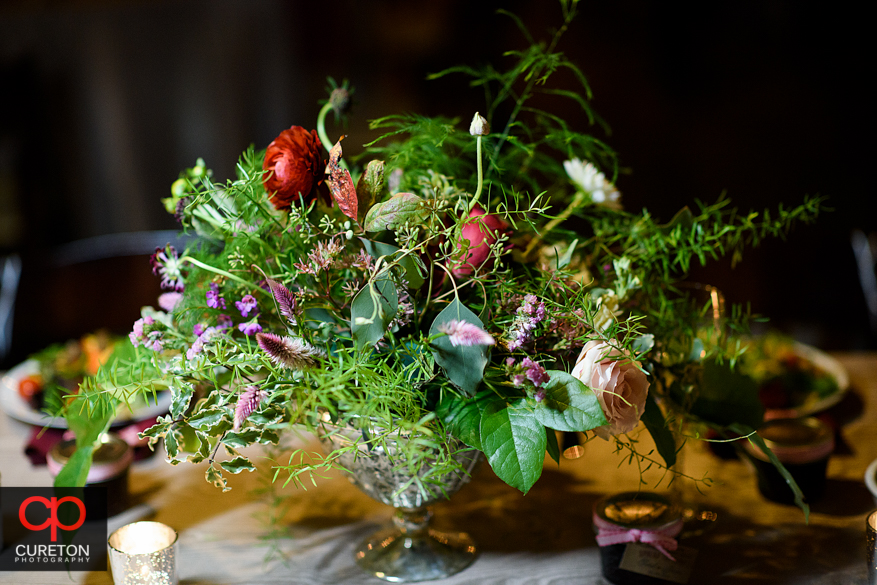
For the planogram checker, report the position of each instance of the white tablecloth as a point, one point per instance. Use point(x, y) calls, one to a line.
point(544, 537)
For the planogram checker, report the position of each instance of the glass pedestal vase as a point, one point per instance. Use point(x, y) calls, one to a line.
point(409, 550)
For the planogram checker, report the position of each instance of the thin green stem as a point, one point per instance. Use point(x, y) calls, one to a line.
point(224, 273)
point(321, 131)
point(480, 176)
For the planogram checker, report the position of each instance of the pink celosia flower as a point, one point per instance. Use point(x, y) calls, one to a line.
point(289, 352)
point(285, 299)
point(248, 402)
point(465, 333)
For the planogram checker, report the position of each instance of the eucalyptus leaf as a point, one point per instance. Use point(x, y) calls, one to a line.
point(665, 442)
point(372, 311)
point(569, 405)
point(415, 271)
point(464, 364)
point(514, 442)
point(398, 210)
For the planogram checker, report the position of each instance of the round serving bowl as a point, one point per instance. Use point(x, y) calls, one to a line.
point(871, 480)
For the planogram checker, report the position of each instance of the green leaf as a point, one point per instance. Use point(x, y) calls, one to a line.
point(564, 260)
point(238, 464)
point(569, 405)
point(182, 396)
point(464, 364)
point(372, 311)
point(242, 438)
point(206, 417)
point(653, 418)
point(415, 271)
point(553, 448)
point(462, 416)
point(754, 438)
point(514, 442)
point(369, 187)
point(726, 397)
point(398, 210)
point(214, 476)
point(89, 417)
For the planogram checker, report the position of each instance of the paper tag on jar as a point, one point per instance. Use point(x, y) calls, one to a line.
point(647, 560)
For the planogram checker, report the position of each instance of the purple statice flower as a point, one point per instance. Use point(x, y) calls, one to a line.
point(285, 299)
point(166, 263)
point(539, 396)
point(198, 329)
point(509, 362)
point(169, 300)
point(529, 315)
point(249, 328)
point(518, 380)
point(289, 352)
point(535, 372)
point(214, 301)
point(224, 322)
point(246, 304)
point(248, 402)
point(465, 333)
point(156, 345)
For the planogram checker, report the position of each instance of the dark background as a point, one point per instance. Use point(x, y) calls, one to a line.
point(103, 103)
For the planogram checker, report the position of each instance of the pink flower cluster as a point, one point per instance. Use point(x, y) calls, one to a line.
point(529, 315)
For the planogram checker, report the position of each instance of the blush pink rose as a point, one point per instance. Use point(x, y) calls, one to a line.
point(482, 230)
point(620, 386)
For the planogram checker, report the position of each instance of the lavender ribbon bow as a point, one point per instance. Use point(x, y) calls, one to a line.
point(662, 539)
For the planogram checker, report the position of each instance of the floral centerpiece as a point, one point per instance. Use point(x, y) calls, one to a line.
point(479, 281)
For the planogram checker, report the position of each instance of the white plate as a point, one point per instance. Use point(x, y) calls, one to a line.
point(814, 405)
point(18, 408)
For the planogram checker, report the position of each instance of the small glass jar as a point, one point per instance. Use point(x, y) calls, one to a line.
point(643, 511)
point(109, 469)
point(803, 446)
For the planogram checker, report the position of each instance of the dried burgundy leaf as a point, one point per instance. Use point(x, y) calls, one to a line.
point(341, 184)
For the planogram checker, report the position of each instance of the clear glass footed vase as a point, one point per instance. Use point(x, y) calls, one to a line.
point(409, 550)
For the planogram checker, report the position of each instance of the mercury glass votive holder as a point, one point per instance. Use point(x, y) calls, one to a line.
point(144, 553)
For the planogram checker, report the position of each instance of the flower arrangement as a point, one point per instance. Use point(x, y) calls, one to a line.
point(482, 283)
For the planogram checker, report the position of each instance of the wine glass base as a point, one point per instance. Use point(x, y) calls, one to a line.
point(398, 557)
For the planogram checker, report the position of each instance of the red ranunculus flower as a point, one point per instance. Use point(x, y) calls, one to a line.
point(482, 230)
point(295, 166)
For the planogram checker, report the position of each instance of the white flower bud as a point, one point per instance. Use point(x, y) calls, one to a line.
point(348, 234)
point(479, 126)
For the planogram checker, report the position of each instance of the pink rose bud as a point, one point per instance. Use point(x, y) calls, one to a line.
point(481, 230)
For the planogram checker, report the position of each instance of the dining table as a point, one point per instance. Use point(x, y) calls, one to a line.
point(261, 532)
